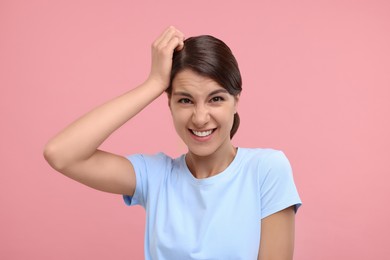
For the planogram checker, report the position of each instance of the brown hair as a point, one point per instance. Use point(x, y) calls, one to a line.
point(212, 58)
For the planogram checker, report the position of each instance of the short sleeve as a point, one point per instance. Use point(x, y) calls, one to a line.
point(277, 187)
point(149, 169)
point(139, 166)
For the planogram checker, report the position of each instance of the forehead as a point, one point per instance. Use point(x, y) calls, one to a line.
point(190, 81)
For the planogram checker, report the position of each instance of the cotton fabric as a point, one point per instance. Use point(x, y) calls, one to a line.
point(213, 218)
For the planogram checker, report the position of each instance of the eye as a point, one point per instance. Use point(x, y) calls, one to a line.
point(217, 99)
point(184, 101)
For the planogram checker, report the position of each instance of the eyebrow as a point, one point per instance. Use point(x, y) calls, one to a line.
point(182, 93)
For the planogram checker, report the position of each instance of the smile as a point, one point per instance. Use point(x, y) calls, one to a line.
point(202, 133)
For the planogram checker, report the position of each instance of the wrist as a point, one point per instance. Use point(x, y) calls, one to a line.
point(157, 84)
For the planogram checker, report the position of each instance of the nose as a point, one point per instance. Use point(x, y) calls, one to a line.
point(200, 116)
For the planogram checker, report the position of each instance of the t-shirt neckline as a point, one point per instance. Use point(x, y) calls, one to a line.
point(213, 179)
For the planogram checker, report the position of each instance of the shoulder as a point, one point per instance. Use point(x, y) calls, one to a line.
point(151, 162)
point(262, 155)
point(157, 157)
point(267, 161)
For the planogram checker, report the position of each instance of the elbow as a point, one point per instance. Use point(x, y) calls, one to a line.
point(53, 156)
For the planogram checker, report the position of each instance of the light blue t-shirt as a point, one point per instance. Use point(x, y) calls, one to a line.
point(213, 218)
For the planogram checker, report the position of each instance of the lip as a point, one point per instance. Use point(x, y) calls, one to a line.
point(202, 138)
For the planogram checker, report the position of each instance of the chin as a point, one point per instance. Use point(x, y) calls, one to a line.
point(204, 150)
point(201, 152)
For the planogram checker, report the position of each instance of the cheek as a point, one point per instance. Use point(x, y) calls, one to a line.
point(225, 118)
point(230, 118)
point(179, 117)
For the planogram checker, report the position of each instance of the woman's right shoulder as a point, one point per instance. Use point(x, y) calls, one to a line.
point(159, 157)
point(143, 162)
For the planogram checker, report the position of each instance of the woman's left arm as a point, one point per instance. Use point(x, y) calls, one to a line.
point(277, 236)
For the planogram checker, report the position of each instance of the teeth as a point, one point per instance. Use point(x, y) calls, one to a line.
point(202, 134)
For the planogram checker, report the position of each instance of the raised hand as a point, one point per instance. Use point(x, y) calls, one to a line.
point(162, 51)
point(75, 150)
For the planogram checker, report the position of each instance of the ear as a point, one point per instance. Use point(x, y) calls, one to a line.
point(169, 102)
point(236, 99)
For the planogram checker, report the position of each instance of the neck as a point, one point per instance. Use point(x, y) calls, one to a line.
point(206, 166)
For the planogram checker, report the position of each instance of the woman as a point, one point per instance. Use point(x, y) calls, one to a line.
point(216, 201)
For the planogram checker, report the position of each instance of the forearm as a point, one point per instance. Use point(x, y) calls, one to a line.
point(80, 139)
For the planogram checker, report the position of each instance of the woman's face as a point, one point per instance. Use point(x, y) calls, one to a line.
point(202, 112)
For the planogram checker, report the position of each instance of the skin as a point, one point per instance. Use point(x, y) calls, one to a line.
point(277, 236)
point(197, 103)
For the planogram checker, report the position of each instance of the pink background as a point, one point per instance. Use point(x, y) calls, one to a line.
point(316, 85)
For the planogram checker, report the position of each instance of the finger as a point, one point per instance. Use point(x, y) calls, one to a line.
point(168, 35)
point(180, 36)
point(175, 43)
point(158, 40)
point(165, 36)
point(180, 45)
